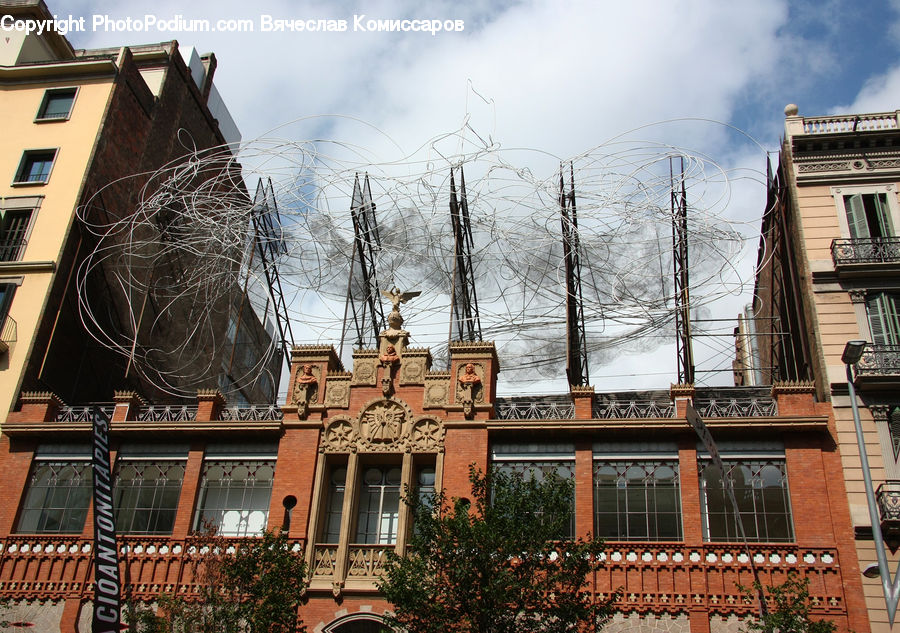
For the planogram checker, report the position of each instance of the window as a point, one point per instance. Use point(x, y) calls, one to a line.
point(7, 291)
point(13, 233)
point(35, 166)
point(57, 498)
point(234, 495)
point(760, 487)
point(146, 495)
point(332, 532)
point(379, 505)
point(637, 500)
point(868, 215)
point(884, 317)
point(539, 461)
point(57, 104)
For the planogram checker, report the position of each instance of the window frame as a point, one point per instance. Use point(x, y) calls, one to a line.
point(68, 511)
point(623, 517)
point(391, 513)
point(156, 507)
point(889, 324)
point(506, 458)
point(731, 535)
point(41, 116)
point(27, 155)
point(215, 515)
point(840, 194)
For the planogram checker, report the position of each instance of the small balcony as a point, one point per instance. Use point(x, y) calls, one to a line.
point(879, 361)
point(8, 334)
point(888, 497)
point(868, 250)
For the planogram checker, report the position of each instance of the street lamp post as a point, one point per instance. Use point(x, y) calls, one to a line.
point(853, 351)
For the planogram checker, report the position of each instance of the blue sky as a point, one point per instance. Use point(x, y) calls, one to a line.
point(552, 77)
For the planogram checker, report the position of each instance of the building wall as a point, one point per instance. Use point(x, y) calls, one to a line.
point(823, 159)
point(51, 223)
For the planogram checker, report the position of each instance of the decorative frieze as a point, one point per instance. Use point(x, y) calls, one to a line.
point(383, 425)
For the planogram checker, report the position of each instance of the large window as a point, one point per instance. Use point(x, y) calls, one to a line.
point(539, 461)
point(333, 513)
point(235, 492)
point(13, 233)
point(868, 215)
point(146, 495)
point(57, 495)
point(761, 490)
point(57, 104)
point(637, 499)
point(884, 317)
point(379, 505)
point(35, 166)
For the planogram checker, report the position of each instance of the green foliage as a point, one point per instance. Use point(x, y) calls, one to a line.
point(789, 609)
point(495, 566)
point(255, 590)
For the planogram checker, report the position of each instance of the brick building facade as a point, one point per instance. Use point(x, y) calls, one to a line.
point(330, 464)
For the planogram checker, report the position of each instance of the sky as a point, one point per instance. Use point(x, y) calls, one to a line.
point(556, 77)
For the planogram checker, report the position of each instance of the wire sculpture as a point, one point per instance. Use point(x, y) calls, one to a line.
point(180, 252)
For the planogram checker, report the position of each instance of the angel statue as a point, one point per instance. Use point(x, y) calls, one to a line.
point(398, 297)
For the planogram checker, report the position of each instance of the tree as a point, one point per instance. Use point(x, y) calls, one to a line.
point(255, 589)
point(496, 565)
point(789, 610)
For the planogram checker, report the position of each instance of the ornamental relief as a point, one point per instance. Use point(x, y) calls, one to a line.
point(337, 393)
point(384, 425)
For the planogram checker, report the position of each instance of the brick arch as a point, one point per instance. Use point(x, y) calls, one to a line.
point(355, 623)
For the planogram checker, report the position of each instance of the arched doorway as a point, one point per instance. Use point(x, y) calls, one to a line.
point(356, 623)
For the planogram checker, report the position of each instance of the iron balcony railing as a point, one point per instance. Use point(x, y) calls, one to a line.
point(866, 250)
point(9, 332)
point(888, 496)
point(879, 360)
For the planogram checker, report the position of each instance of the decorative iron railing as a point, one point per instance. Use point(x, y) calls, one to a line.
point(850, 123)
point(534, 409)
point(83, 413)
point(167, 413)
point(879, 360)
point(868, 250)
point(736, 407)
point(252, 413)
point(9, 333)
point(621, 409)
point(888, 496)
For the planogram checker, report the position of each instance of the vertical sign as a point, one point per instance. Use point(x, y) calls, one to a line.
point(107, 606)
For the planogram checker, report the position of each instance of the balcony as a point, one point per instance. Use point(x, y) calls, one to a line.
point(888, 497)
point(878, 362)
point(8, 334)
point(868, 250)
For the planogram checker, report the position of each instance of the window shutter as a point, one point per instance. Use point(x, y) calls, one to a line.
point(876, 321)
point(856, 216)
point(883, 212)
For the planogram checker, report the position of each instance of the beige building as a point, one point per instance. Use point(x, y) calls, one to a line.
point(73, 122)
point(828, 269)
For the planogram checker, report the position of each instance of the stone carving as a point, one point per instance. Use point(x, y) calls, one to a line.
point(383, 425)
point(413, 371)
point(426, 434)
point(389, 357)
point(340, 435)
point(306, 389)
point(364, 371)
point(436, 392)
point(469, 389)
point(337, 393)
point(382, 422)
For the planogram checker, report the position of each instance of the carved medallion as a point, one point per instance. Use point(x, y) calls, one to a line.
point(339, 435)
point(337, 393)
point(427, 434)
point(436, 393)
point(364, 372)
point(382, 422)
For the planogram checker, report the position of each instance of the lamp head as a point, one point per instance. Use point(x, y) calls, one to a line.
point(853, 351)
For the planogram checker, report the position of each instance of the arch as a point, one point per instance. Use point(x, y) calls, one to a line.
point(355, 623)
